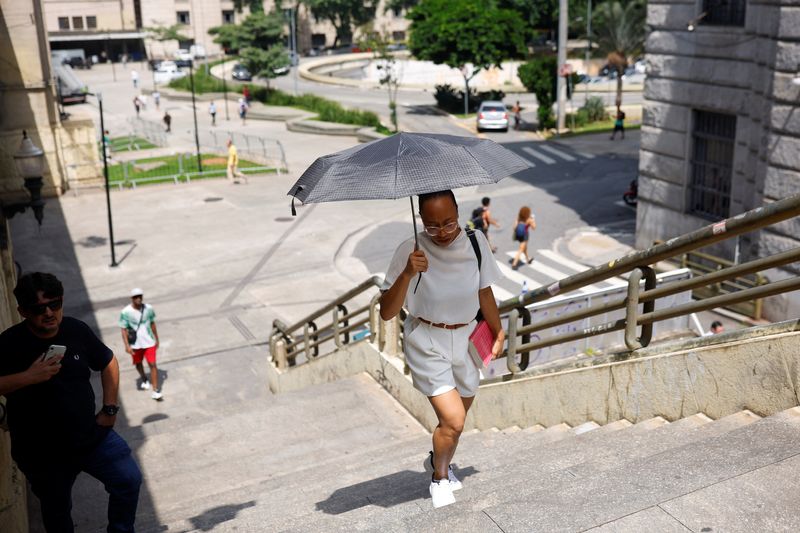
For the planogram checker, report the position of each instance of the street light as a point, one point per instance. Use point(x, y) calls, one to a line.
point(194, 112)
point(105, 176)
point(29, 163)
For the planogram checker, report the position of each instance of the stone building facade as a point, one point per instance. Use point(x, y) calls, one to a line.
point(114, 27)
point(721, 125)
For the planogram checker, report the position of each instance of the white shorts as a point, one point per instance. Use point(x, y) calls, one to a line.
point(439, 360)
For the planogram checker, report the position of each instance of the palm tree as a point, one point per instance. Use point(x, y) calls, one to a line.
point(620, 34)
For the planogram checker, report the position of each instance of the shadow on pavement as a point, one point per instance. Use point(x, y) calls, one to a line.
point(385, 491)
point(51, 249)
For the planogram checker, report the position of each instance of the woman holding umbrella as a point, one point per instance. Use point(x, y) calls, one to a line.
point(442, 312)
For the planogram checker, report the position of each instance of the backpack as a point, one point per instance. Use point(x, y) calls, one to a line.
point(477, 249)
point(476, 220)
point(520, 231)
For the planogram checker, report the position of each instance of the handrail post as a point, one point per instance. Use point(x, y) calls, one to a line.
point(336, 328)
point(511, 355)
point(391, 336)
point(632, 307)
point(374, 318)
point(306, 341)
point(279, 355)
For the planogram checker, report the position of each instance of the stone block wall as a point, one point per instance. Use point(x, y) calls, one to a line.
point(744, 71)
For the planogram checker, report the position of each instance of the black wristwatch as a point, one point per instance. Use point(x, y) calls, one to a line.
point(110, 410)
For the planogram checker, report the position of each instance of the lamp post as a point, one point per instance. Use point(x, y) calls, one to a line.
point(105, 177)
point(194, 112)
point(29, 163)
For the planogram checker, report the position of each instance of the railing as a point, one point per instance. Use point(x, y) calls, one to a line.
point(287, 345)
point(702, 263)
point(263, 150)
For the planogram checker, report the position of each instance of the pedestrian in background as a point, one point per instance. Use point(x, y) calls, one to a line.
point(243, 110)
point(212, 110)
point(168, 121)
point(488, 221)
point(246, 93)
point(143, 101)
point(619, 124)
point(134, 77)
point(517, 111)
point(157, 99)
point(46, 362)
point(525, 223)
point(140, 337)
point(233, 164)
point(137, 105)
point(456, 283)
point(716, 329)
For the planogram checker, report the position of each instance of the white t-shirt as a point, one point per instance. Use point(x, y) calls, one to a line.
point(131, 317)
point(448, 291)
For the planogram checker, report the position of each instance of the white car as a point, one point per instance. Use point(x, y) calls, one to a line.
point(182, 55)
point(167, 71)
point(492, 116)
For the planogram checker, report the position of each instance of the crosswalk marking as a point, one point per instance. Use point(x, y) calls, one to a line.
point(500, 293)
point(537, 155)
point(557, 152)
point(516, 276)
point(554, 274)
point(585, 155)
point(531, 163)
point(558, 258)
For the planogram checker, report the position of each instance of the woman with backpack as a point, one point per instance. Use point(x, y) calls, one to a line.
point(458, 270)
point(525, 223)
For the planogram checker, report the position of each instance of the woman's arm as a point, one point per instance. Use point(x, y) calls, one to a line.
point(392, 300)
point(532, 222)
point(492, 316)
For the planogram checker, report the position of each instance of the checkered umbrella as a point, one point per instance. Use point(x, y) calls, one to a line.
point(405, 164)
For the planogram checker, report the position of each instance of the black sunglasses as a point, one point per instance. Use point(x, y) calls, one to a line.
point(39, 309)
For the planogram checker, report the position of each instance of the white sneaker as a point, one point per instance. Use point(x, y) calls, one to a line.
point(455, 483)
point(145, 385)
point(157, 395)
point(441, 493)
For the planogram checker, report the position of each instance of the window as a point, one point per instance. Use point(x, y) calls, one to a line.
point(398, 36)
point(724, 12)
point(397, 12)
point(227, 17)
point(63, 23)
point(318, 40)
point(183, 17)
point(77, 23)
point(713, 137)
point(91, 22)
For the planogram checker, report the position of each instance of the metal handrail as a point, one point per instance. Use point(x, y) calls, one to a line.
point(519, 336)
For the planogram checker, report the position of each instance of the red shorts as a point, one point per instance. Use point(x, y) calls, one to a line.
point(144, 353)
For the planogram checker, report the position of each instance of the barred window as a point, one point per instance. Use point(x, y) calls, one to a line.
point(713, 139)
point(63, 23)
point(91, 22)
point(724, 12)
point(77, 23)
point(228, 17)
point(183, 17)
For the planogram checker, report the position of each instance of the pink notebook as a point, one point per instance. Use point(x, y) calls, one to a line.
point(480, 344)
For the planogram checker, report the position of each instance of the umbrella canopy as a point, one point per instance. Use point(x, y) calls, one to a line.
point(403, 165)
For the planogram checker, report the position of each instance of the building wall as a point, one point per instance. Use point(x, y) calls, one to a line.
point(744, 71)
point(112, 15)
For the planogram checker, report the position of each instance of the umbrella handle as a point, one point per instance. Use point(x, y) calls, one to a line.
point(416, 239)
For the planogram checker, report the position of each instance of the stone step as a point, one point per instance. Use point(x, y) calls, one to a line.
point(634, 485)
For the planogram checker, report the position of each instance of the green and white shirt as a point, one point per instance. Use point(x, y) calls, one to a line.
point(130, 317)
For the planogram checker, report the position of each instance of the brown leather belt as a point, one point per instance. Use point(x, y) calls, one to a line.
point(441, 324)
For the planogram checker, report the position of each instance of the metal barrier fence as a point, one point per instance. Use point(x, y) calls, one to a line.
point(292, 344)
point(260, 149)
point(148, 129)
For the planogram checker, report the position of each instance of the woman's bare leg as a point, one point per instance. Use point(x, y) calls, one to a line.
point(520, 251)
point(451, 410)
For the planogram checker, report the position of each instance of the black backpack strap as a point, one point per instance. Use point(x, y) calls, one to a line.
point(474, 240)
point(476, 247)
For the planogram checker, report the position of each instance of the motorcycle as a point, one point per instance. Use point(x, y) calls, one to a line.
point(629, 196)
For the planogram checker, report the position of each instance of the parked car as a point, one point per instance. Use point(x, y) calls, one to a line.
point(492, 115)
point(168, 71)
point(182, 57)
point(241, 73)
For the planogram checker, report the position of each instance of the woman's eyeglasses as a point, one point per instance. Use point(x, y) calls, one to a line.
point(39, 309)
point(435, 231)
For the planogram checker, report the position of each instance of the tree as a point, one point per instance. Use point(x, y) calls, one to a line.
point(539, 77)
point(167, 33)
point(460, 33)
point(256, 6)
point(619, 31)
point(259, 41)
point(344, 15)
point(386, 64)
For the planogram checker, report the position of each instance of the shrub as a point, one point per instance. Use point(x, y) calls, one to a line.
point(595, 109)
point(451, 100)
point(539, 76)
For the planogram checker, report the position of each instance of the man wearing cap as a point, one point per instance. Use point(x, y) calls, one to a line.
point(140, 336)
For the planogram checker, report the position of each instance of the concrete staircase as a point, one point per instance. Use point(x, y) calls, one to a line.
point(734, 474)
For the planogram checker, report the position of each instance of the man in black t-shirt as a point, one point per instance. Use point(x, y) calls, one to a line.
point(55, 431)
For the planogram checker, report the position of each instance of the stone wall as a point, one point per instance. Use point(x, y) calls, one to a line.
point(744, 71)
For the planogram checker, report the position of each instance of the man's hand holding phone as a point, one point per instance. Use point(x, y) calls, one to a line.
point(46, 366)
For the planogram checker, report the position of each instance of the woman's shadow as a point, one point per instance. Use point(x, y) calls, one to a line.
point(386, 491)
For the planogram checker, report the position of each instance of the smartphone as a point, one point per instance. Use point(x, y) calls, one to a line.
point(54, 350)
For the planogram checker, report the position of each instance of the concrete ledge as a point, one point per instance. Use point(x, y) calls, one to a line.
point(322, 128)
point(366, 135)
point(759, 373)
